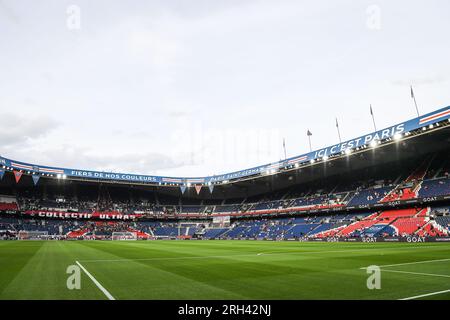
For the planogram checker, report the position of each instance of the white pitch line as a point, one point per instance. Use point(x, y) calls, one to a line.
point(106, 292)
point(254, 254)
point(410, 263)
point(416, 262)
point(418, 273)
point(170, 258)
point(425, 295)
point(210, 257)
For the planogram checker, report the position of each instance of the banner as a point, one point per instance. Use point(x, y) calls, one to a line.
point(182, 188)
point(198, 188)
point(211, 188)
point(17, 175)
point(222, 220)
point(2, 173)
point(81, 215)
point(36, 178)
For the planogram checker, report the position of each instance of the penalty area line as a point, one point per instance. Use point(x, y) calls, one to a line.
point(418, 273)
point(410, 263)
point(102, 289)
point(425, 295)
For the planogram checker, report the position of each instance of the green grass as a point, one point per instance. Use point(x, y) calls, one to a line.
point(221, 269)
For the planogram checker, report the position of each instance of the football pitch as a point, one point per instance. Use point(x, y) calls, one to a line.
point(222, 270)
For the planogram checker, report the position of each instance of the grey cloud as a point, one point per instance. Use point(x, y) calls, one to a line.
point(6, 11)
point(421, 81)
point(85, 158)
point(138, 163)
point(179, 114)
point(19, 129)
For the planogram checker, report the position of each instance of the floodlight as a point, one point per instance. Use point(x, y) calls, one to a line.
point(373, 143)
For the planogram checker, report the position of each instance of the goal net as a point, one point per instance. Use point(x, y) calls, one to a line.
point(124, 236)
point(32, 235)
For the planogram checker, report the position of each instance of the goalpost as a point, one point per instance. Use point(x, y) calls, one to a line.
point(121, 236)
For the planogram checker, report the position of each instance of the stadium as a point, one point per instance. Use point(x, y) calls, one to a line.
point(306, 227)
point(224, 159)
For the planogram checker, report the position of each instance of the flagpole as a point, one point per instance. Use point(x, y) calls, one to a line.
point(309, 134)
point(415, 102)
point(284, 147)
point(338, 130)
point(373, 118)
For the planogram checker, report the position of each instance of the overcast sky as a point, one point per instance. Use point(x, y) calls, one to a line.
point(194, 88)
